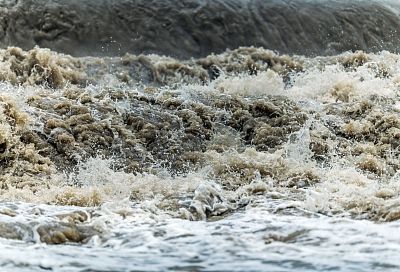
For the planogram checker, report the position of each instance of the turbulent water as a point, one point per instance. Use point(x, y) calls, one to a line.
point(245, 159)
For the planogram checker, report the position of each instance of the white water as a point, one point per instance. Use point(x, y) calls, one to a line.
point(253, 239)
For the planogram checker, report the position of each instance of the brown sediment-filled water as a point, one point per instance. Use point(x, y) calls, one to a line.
point(243, 160)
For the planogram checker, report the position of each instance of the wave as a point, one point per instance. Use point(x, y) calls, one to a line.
point(118, 156)
point(191, 28)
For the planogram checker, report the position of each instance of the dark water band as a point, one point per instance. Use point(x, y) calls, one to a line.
point(193, 28)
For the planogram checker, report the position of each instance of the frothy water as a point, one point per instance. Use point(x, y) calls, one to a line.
point(247, 160)
point(253, 239)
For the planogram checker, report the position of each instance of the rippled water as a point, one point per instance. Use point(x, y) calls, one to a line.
point(197, 28)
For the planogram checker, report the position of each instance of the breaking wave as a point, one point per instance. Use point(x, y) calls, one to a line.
point(146, 137)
